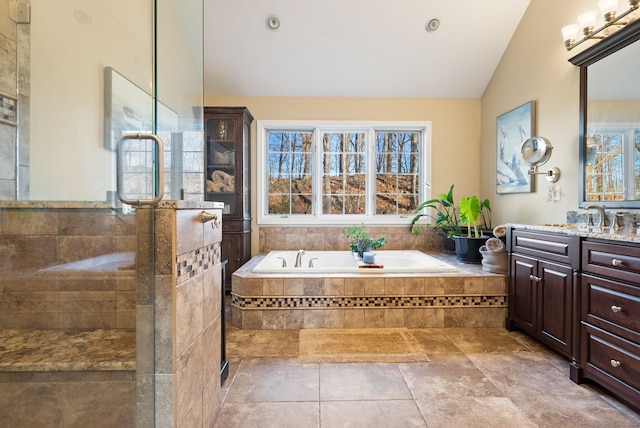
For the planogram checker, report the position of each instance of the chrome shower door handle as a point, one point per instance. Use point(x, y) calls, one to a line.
point(158, 169)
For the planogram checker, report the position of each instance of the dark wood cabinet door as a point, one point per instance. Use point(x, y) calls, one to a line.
point(555, 291)
point(522, 293)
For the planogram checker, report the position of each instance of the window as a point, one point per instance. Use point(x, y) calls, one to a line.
point(613, 164)
point(341, 172)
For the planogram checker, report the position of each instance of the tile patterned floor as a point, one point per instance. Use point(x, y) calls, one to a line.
point(475, 378)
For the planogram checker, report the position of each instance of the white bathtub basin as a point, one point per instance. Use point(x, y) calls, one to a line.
point(386, 261)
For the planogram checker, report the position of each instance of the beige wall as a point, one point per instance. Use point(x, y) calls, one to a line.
point(535, 67)
point(455, 130)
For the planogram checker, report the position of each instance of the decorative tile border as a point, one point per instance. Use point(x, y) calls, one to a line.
point(195, 262)
point(8, 109)
point(360, 302)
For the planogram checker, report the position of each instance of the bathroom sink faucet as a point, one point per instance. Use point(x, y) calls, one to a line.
point(299, 258)
point(603, 217)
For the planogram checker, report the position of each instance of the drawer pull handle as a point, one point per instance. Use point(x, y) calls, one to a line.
point(535, 278)
point(616, 262)
point(615, 363)
point(615, 308)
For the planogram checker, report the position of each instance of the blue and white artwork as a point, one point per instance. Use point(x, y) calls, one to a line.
point(513, 129)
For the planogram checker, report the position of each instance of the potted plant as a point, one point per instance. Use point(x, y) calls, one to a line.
point(468, 246)
point(360, 241)
point(445, 218)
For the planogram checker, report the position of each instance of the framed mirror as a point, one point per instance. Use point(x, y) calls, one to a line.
point(609, 152)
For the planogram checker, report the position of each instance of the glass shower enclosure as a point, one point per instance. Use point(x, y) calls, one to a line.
point(101, 118)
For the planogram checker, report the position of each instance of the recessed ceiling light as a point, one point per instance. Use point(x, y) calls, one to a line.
point(273, 22)
point(432, 24)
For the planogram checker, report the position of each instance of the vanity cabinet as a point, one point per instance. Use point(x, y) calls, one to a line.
point(610, 317)
point(542, 286)
point(228, 180)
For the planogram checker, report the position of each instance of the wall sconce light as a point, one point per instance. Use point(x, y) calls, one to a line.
point(536, 151)
point(587, 22)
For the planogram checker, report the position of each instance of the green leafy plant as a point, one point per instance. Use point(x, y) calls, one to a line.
point(444, 214)
point(470, 211)
point(485, 207)
point(360, 241)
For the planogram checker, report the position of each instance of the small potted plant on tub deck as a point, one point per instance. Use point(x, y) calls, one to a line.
point(360, 241)
point(468, 246)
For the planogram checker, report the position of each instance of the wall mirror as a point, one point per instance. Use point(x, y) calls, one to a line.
point(609, 152)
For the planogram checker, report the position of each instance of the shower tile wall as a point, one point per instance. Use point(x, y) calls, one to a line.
point(32, 239)
point(188, 321)
point(15, 82)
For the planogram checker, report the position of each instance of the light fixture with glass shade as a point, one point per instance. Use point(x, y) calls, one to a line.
point(587, 22)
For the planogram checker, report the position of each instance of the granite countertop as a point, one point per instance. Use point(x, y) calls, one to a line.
point(67, 350)
point(622, 234)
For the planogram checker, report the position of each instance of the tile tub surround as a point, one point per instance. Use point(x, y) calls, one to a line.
point(332, 238)
point(467, 298)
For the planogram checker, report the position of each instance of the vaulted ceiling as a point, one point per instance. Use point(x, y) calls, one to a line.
point(356, 48)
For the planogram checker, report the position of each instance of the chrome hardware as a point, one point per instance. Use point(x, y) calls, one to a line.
point(590, 221)
point(299, 258)
point(158, 169)
point(535, 278)
point(615, 363)
point(617, 262)
point(602, 222)
point(615, 308)
point(617, 217)
point(284, 262)
point(205, 217)
point(311, 262)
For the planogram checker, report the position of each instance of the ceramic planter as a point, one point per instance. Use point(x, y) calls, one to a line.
point(468, 249)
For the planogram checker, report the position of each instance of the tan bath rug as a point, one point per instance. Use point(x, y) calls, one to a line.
point(385, 345)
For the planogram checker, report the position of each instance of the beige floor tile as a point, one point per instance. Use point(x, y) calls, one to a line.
point(260, 380)
point(388, 413)
point(269, 415)
point(447, 376)
point(526, 374)
point(482, 412)
point(362, 382)
point(573, 412)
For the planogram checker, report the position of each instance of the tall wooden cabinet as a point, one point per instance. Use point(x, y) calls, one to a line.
point(228, 179)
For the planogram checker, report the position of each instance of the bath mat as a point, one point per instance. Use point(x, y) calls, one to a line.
point(385, 345)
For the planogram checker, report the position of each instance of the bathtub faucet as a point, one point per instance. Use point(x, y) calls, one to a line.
point(299, 258)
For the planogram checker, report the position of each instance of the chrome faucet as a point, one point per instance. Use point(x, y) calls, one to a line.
point(602, 222)
point(299, 258)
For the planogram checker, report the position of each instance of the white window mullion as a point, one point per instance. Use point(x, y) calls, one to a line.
point(371, 173)
point(318, 153)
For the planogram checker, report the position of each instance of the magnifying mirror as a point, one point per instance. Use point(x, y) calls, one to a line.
point(535, 152)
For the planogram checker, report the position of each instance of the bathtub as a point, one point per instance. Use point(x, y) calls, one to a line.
point(106, 262)
point(386, 261)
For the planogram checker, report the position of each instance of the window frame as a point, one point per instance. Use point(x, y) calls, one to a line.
point(628, 132)
point(317, 127)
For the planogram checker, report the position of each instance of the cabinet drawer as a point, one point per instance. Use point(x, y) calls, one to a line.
point(611, 301)
point(613, 355)
point(550, 246)
point(616, 261)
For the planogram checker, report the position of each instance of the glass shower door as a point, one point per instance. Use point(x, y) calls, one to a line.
point(75, 259)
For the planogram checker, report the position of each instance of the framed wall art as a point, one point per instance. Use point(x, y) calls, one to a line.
point(514, 128)
point(128, 108)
